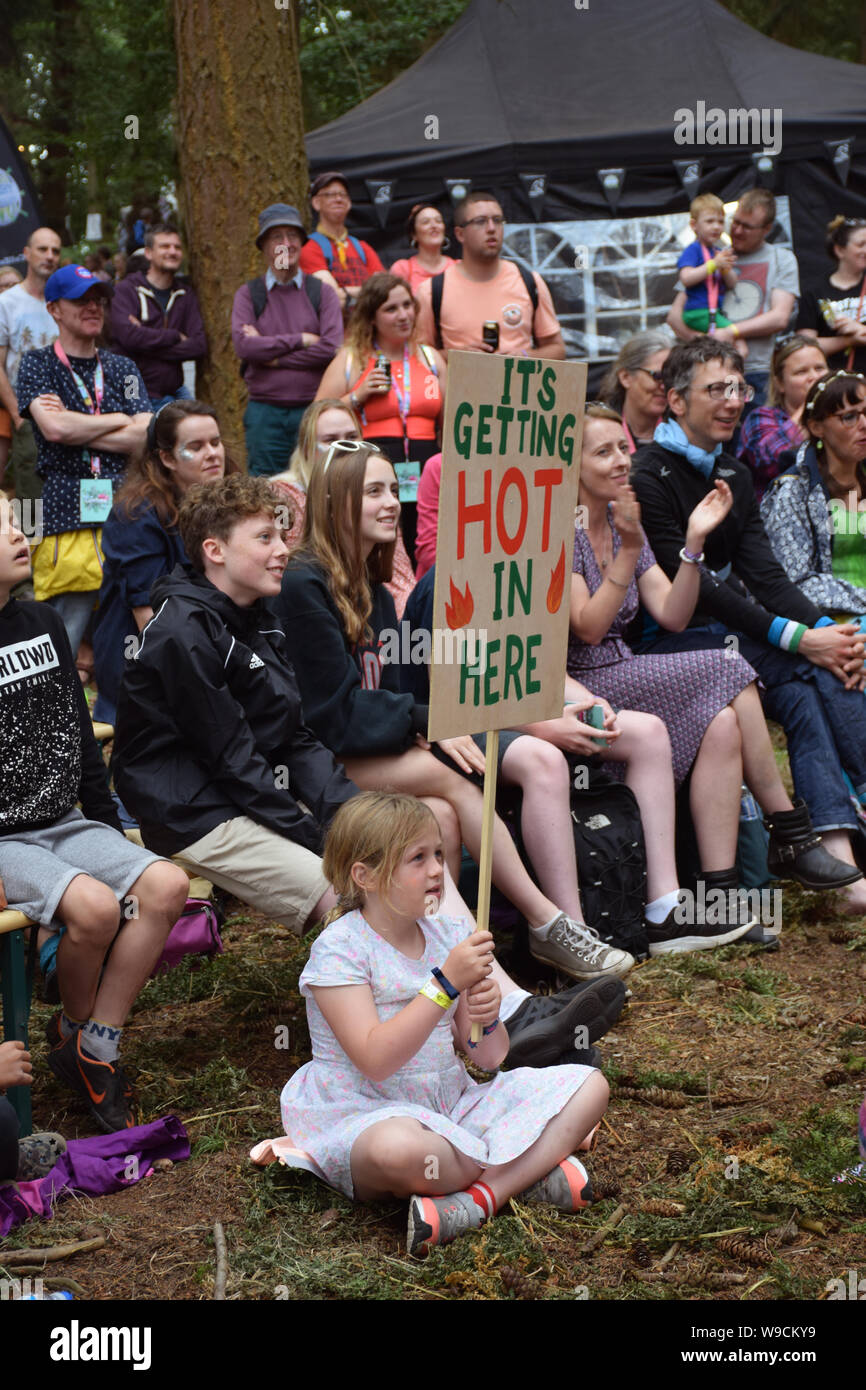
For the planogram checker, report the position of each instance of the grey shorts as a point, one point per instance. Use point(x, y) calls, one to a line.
point(37, 866)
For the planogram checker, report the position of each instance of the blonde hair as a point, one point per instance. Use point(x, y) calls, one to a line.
point(374, 829)
point(781, 353)
point(307, 451)
point(10, 270)
point(705, 202)
point(331, 536)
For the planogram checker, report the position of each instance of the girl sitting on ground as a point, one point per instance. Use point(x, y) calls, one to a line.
point(335, 611)
point(385, 1107)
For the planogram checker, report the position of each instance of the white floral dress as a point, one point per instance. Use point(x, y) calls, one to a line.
point(329, 1102)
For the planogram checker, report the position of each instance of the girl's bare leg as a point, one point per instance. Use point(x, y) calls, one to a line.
point(399, 1157)
point(714, 795)
point(644, 745)
point(541, 772)
point(760, 772)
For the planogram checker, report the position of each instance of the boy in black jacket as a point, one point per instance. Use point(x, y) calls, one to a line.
point(211, 752)
point(810, 667)
point(64, 866)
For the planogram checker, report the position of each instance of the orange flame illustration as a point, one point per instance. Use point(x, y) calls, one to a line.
point(557, 583)
point(459, 611)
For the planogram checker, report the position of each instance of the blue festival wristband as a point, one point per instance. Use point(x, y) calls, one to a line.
point(777, 627)
point(825, 622)
point(445, 983)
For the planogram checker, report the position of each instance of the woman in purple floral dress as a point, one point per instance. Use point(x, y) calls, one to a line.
point(707, 699)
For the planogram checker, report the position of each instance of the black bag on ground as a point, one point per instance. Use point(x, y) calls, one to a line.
point(611, 857)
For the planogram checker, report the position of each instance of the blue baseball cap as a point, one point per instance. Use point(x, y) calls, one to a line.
point(71, 282)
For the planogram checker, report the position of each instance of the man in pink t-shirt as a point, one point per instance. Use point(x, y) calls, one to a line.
point(482, 287)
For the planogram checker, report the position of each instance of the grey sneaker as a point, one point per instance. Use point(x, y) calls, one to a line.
point(567, 1187)
point(578, 951)
point(439, 1220)
point(37, 1155)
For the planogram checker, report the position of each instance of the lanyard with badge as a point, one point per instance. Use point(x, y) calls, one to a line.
point(408, 470)
point(95, 492)
point(712, 290)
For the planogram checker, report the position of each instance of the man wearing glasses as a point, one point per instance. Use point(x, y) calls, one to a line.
point(811, 667)
point(332, 254)
point(764, 299)
point(482, 288)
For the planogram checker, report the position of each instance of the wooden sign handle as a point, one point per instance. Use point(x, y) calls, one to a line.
point(485, 867)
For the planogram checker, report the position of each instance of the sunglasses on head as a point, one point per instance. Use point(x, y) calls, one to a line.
point(344, 446)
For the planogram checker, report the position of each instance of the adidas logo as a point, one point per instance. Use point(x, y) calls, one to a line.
point(255, 661)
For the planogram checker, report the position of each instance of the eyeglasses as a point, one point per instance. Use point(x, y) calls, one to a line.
point(728, 390)
point(748, 226)
point(849, 418)
point(656, 376)
point(498, 221)
point(338, 197)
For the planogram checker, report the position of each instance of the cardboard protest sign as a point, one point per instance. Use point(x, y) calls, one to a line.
point(510, 465)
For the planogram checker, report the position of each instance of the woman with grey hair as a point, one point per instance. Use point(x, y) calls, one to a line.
point(633, 386)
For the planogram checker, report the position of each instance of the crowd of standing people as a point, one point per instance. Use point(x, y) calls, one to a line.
point(233, 624)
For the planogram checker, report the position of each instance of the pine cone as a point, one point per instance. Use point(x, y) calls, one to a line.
point(840, 935)
point(657, 1207)
point(758, 1127)
point(744, 1250)
point(726, 1098)
point(519, 1284)
point(641, 1254)
point(652, 1095)
point(605, 1184)
point(679, 1161)
point(856, 1016)
point(834, 1077)
point(627, 1079)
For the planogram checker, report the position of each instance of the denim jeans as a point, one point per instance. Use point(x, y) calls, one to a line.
point(824, 723)
point(182, 393)
point(75, 608)
point(271, 433)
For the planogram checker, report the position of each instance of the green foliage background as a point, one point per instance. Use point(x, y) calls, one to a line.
point(71, 71)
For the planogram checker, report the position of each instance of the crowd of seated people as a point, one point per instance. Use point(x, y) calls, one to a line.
point(238, 626)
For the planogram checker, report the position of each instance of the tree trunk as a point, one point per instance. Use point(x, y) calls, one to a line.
point(240, 137)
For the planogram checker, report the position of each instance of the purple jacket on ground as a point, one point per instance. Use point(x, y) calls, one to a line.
point(154, 342)
point(287, 314)
point(95, 1166)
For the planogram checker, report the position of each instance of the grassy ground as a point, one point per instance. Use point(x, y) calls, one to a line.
point(718, 1110)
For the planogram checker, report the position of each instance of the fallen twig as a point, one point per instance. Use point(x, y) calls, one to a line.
point(668, 1255)
point(214, 1114)
point(222, 1264)
point(50, 1252)
point(604, 1231)
point(611, 1129)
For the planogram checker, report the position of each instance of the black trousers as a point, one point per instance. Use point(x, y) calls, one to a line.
point(8, 1140)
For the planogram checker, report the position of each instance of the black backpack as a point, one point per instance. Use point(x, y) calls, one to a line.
point(611, 858)
point(259, 295)
point(438, 284)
